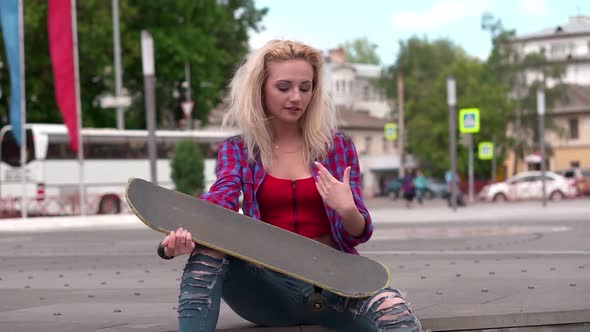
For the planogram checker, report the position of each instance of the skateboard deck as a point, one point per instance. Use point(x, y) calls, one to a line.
point(257, 242)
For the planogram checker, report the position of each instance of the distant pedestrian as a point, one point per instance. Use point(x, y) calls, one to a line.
point(420, 183)
point(453, 180)
point(408, 187)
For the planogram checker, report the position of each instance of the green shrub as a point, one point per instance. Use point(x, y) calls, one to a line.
point(188, 166)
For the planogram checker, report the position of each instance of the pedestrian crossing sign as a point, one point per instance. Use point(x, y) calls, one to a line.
point(469, 120)
point(390, 131)
point(485, 150)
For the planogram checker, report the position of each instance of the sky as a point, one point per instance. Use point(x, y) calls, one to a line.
point(326, 24)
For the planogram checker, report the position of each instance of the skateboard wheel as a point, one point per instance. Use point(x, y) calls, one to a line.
point(317, 302)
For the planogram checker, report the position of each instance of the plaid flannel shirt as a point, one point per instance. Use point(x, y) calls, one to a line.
point(235, 174)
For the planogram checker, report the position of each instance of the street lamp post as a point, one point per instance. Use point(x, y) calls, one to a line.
point(470, 168)
point(118, 70)
point(188, 104)
point(149, 79)
point(452, 102)
point(541, 114)
point(401, 126)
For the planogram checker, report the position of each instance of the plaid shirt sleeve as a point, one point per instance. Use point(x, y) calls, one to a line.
point(225, 192)
point(351, 159)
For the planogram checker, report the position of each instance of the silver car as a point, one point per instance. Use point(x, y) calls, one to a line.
point(529, 185)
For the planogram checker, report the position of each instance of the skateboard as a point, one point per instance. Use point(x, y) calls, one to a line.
point(256, 242)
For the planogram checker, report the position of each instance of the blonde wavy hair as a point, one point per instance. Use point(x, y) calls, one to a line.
point(245, 103)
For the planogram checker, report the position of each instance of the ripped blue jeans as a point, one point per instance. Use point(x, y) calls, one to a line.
point(267, 298)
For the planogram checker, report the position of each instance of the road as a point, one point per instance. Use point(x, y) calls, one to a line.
point(483, 266)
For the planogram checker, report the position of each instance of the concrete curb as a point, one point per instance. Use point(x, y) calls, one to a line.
point(48, 224)
point(380, 216)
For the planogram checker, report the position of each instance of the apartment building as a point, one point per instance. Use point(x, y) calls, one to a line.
point(569, 45)
point(363, 112)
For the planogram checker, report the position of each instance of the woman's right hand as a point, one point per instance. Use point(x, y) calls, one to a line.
point(178, 243)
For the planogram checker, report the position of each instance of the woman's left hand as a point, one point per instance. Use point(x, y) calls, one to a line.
point(336, 194)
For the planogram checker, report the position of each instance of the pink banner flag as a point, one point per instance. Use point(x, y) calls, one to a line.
point(61, 49)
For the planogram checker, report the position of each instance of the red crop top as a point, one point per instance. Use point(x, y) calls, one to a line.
point(294, 205)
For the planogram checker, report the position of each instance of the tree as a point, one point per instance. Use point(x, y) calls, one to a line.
point(360, 50)
point(210, 35)
point(506, 64)
point(425, 66)
point(188, 168)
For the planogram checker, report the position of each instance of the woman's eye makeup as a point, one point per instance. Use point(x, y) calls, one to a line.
point(283, 87)
point(305, 87)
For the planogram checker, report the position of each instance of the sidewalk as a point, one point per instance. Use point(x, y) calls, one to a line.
point(387, 211)
point(383, 211)
point(499, 288)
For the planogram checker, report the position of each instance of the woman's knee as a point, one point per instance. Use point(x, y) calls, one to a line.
point(200, 285)
point(392, 312)
point(204, 266)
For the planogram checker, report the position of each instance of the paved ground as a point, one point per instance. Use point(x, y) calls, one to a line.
point(484, 266)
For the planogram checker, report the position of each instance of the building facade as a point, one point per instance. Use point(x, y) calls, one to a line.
point(379, 158)
point(363, 113)
point(353, 85)
point(569, 45)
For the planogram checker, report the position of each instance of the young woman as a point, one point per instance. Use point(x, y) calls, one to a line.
point(295, 171)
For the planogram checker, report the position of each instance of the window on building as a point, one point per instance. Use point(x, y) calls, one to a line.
point(366, 92)
point(350, 86)
point(368, 140)
point(573, 126)
point(558, 49)
point(338, 86)
point(386, 144)
point(562, 49)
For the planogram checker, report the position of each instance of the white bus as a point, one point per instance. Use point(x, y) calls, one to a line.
point(111, 157)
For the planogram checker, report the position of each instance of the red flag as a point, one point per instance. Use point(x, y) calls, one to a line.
point(61, 49)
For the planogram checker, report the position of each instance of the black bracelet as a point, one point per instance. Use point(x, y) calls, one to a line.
point(161, 252)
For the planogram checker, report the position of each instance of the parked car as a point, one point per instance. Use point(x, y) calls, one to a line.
point(582, 182)
point(434, 188)
point(393, 188)
point(528, 185)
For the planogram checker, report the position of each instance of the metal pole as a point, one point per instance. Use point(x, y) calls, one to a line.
point(78, 109)
point(118, 71)
point(541, 113)
point(149, 79)
point(1, 134)
point(150, 106)
point(187, 78)
point(494, 159)
point(23, 110)
point(470, 167)
point(452, 102)
point(402, 127)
